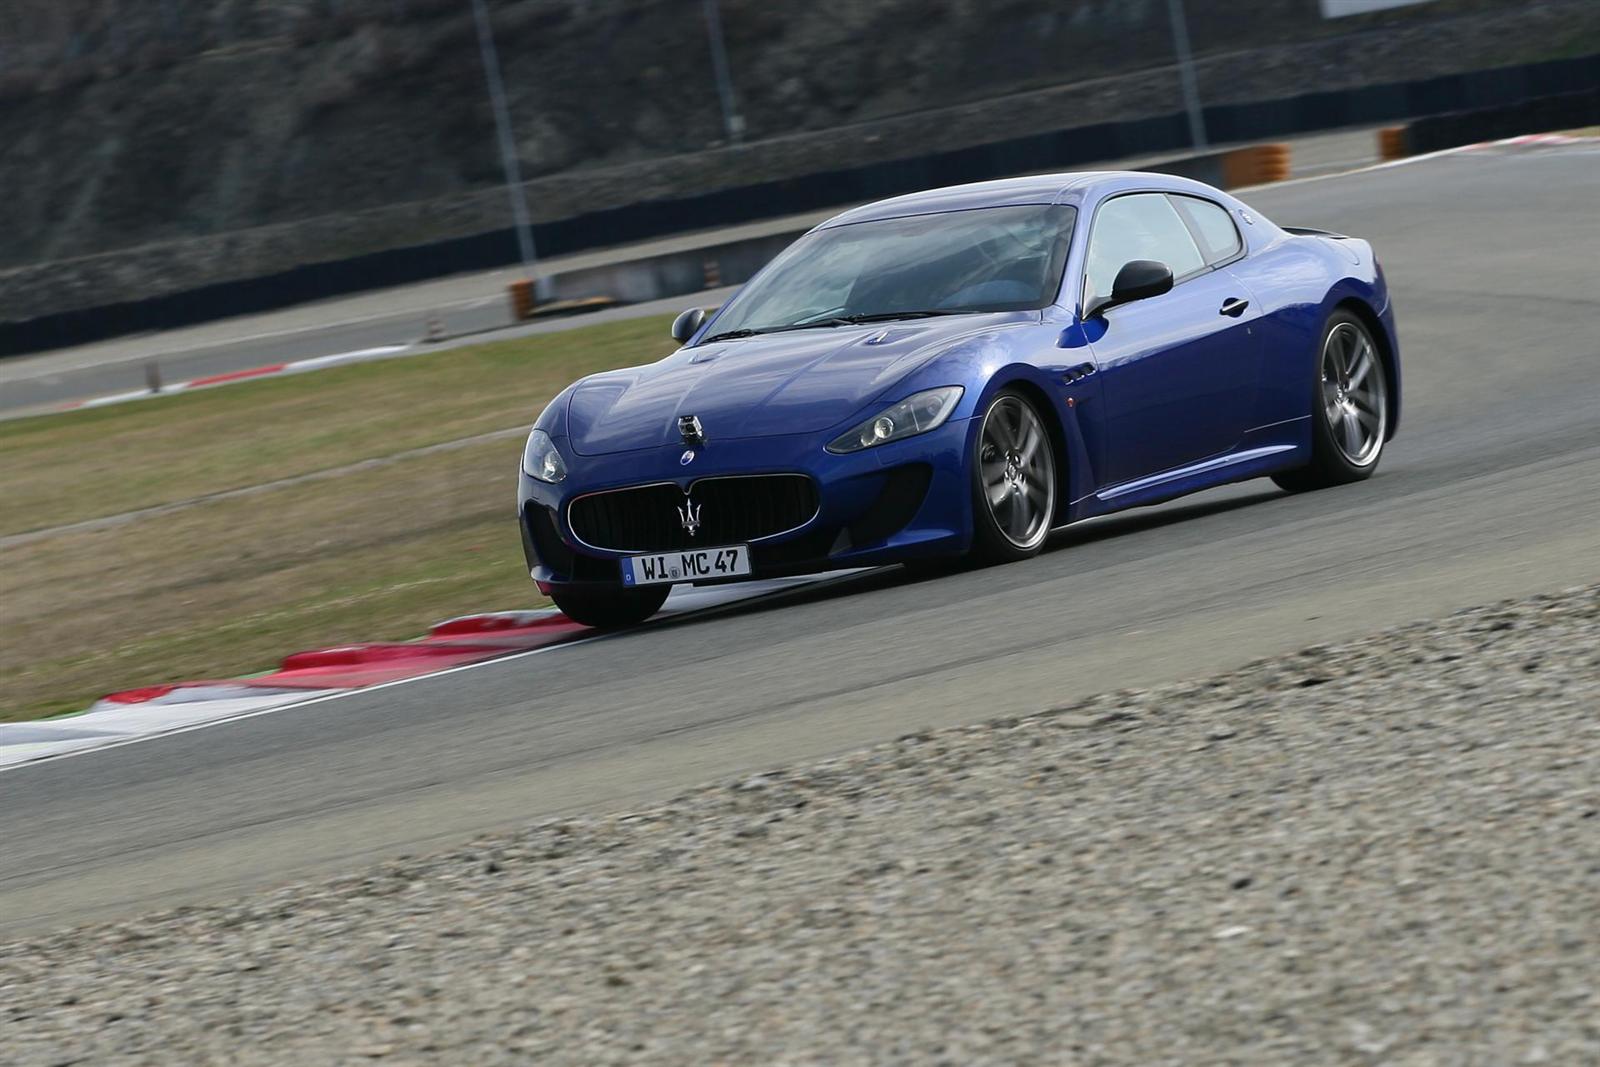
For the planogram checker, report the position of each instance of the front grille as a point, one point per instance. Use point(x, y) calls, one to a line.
point(649, 518)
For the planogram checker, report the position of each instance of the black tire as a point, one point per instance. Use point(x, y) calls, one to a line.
point(1005, 455)
point(1349, 415)
point(610, 608)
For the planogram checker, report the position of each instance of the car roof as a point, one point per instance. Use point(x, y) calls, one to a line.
point(1064, 188)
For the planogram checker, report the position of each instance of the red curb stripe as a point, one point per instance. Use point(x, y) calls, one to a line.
point(353, 680)
point(149, 692)
point(508, 642)
point(384, 655)
point(236, 375)
point(502, 626)
point(452, 644)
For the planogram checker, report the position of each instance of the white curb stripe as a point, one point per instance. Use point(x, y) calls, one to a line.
point(110, 725)
point(120, 724)
point(358, 356)
point(299, 366)
point(118, 398)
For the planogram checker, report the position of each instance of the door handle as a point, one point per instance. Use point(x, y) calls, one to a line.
point(1234, 308)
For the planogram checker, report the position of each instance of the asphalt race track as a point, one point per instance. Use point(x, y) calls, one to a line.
point(1491, 490)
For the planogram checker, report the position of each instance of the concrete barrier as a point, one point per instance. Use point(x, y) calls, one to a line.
point(1394, 142)
point(1255, 165)
point(1456, 129)
point(521, 292)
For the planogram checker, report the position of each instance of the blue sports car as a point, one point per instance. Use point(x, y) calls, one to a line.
point(956, 373)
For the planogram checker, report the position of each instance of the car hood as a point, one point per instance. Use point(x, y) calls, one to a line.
point(804, 381)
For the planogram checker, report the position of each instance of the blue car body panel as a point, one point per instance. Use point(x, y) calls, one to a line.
point(1146, 401)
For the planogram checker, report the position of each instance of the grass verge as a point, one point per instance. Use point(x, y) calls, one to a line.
point(103, 461)
point(228, 587)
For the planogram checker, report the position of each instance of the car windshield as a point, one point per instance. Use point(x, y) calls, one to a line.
point(985, 259)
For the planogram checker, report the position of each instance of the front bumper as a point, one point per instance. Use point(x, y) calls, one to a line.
point(898, 502)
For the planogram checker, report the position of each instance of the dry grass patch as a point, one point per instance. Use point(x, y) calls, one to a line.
point(228, 587)
point(58, 469)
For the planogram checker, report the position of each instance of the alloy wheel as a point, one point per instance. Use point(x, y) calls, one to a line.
point(1354, 394)
point(1018, 472)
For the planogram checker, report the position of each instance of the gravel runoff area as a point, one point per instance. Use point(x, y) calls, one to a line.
point(1384, 851)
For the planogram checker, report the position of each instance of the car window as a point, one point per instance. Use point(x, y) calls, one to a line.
point(1140, 226)
point(1219, 237)
point(1007, 258)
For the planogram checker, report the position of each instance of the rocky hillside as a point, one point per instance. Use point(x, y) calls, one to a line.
point(124, 122)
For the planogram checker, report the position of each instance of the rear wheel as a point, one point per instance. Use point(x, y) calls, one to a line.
point(1350, 416)
point(610, 609)
point(1013, 481)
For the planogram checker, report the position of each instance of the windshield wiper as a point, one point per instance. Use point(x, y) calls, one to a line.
point(880, 316)
point(834, 320)
point(731, 335)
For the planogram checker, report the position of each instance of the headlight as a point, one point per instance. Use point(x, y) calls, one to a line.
point(541, 460)
point(913, 415)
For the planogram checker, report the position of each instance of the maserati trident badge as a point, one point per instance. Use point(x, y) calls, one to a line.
point(687, 457)
point(689, 517)
point(690, 430)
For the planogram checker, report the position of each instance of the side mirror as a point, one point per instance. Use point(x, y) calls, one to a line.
point(688, 324)
point(1139, 279)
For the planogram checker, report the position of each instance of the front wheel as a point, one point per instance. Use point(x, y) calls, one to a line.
point(1013, 482)
point(1350, 416)
point(610, 608)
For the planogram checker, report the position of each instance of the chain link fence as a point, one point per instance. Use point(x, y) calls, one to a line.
point(48, 45)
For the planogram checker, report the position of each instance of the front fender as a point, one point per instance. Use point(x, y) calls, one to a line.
point(1070, 411)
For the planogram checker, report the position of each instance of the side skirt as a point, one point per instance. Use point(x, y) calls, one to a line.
point(1234, 466)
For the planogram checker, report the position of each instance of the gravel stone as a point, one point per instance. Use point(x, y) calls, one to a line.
point(1383, 851)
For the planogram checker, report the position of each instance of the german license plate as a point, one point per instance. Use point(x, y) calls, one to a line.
point(695, 565)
